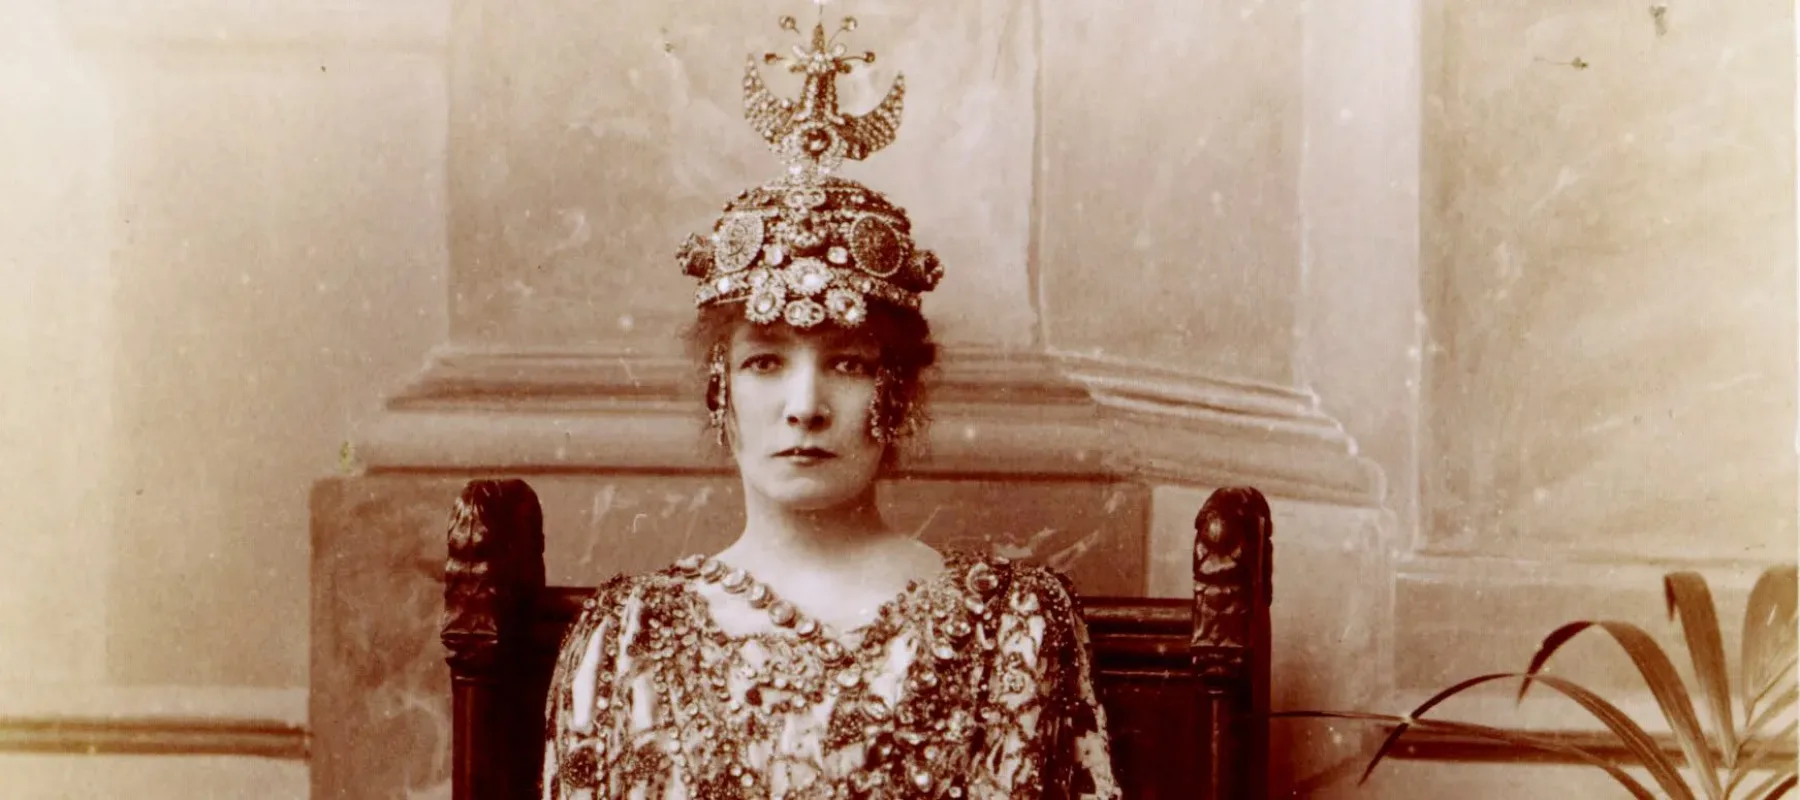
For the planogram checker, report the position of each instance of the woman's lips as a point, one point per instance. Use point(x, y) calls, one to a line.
point(805, 455)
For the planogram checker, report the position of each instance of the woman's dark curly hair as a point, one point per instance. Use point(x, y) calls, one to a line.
point(903, 337)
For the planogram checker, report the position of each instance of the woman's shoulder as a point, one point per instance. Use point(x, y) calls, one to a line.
point(628, 595)
point(1029, 605)
point(1029, 588)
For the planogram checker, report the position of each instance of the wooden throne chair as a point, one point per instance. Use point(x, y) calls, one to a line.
point(1184, 681)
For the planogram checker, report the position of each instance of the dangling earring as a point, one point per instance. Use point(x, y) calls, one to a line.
point(877, 407)
point(718, 394)
point(885, 423)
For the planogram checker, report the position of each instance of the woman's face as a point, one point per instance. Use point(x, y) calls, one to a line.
point(800, 406)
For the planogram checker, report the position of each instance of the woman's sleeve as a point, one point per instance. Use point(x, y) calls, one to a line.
point(1046, 729)
point(580, 727)
point(1085, 747)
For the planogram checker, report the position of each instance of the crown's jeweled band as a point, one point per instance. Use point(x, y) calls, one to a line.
point(811, 247)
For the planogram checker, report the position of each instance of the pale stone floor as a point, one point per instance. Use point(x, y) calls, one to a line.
point(27, 776)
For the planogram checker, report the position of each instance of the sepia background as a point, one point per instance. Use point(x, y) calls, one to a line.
point(1496, 302)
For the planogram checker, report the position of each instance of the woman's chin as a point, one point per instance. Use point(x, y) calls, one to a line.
point(820, 500)
point(813, 494)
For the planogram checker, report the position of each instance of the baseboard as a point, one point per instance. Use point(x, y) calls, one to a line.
point(1424, 745)
point(161, 736)
point(93, 720)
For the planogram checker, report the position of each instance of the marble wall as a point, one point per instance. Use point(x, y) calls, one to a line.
point(58, 341)
point(223, 238)
point(1611, 281)
point(1608, 280)
point(247, 328)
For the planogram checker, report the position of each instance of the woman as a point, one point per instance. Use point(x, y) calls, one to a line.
point(823, 654)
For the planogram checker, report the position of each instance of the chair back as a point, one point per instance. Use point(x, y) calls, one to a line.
point(1184, 681)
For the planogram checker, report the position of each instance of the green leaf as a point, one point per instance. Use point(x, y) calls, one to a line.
point(1768, 632)
point(1686, 594)
point(1664, 682)
point(1516, 738)
point(1755, 754)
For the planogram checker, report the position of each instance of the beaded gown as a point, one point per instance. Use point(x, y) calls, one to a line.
point(974, 683)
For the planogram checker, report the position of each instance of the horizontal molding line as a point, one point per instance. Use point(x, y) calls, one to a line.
point(1429, 745)
point(1155, 386)
point(154, 736)
point(1618, 571)
point(996, 413)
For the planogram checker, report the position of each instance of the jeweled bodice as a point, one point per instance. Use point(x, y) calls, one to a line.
point(973, 684)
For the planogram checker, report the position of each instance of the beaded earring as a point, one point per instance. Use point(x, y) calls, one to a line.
point(891, 418)
point(718, 394)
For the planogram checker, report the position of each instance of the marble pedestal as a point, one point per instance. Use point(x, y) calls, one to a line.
point(380, 702)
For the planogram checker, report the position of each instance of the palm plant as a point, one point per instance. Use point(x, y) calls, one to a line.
point(1721, 763)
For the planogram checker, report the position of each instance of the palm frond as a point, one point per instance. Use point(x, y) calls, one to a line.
point(1515, 738)
point(1786, 785)
point(1756, 754)
point(1688, 597)
point(1769, 617)
point(1635, 739)
point(1777, 677)
point(1775, 786)
point(1665, 685)
point(1772, 712)
point(1767, 690)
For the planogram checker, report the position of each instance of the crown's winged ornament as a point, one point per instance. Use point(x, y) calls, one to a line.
point(811, 246)
point(812, 130)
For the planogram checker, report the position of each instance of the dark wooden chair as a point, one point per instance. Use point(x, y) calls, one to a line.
point(1184, 682)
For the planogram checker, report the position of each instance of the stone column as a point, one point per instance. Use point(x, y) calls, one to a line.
point(1170, 203)
point(1209, 269)
point(1171, 238)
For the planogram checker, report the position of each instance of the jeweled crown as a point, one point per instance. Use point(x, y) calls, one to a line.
point(811, 246)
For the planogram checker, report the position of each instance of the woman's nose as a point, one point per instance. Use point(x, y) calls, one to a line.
point(805, 406)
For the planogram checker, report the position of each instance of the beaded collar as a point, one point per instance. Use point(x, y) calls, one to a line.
point(976, 575)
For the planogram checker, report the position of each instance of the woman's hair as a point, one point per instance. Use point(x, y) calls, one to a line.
point(902, 336)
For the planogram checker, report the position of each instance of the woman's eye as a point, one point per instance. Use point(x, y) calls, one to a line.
point(760, 363)
point(856, 365)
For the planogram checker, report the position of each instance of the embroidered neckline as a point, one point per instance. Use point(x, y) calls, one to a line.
point(790, 622)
